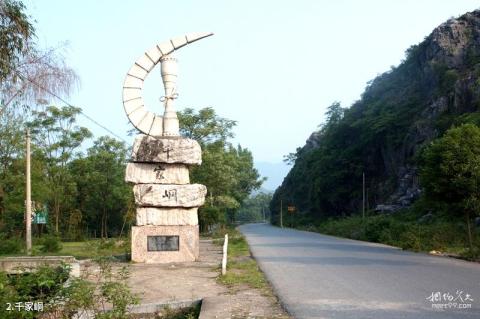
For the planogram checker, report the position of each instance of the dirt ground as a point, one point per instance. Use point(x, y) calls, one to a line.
point(163, 283)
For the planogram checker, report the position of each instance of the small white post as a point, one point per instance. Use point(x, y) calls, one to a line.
point(224, 259)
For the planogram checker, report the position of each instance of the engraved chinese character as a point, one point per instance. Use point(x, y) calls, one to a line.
point(159, 170)
point(167, 150)
point(171, 193)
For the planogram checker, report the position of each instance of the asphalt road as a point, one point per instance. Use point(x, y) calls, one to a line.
point(319, 276)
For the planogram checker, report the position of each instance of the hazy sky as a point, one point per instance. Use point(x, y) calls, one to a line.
point(273, 66)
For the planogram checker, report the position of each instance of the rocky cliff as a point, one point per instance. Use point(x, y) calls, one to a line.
point(435, 87)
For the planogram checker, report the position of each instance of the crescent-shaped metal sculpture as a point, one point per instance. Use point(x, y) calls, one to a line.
point(143, 120)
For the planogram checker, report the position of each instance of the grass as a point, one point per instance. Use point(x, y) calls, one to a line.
point(95, 248)
point(242, 269)
point(84, 249)
point(243, 273)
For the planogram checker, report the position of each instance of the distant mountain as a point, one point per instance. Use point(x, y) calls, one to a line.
point(275, 172)
point(436, 87)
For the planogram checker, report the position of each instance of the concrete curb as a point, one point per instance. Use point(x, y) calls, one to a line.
point(147, 308)
point(20, 264)
point(155, 307)
point(217, 307)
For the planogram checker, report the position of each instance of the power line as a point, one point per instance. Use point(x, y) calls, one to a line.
point(67, 103)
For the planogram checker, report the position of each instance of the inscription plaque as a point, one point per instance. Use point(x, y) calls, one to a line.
point(162, 243)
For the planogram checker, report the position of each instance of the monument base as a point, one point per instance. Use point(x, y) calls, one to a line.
point(165, 244)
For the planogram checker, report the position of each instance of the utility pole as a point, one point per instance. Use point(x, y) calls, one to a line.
point(363, 192)
point(281, 213)
point(28, 200)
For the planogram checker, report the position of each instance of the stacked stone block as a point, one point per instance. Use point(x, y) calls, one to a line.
point(167, 204)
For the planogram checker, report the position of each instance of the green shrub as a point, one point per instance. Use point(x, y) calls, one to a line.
point(471, 254)
point(376, 228)
point(7, 295)
point(50, 244)
point(42, 284)
point(106, 244)
point(47, 285)
point(410, 240)
point(10, 246)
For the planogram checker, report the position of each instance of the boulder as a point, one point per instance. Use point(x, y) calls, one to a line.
point(166, 216)
point(148, 149)
point(163, 195)
point(144, 173)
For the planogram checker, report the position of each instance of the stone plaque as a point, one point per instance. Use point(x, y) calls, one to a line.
point(163, 243)
point(188, 244)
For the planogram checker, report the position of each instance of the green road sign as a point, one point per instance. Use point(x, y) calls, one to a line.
point(40, 217)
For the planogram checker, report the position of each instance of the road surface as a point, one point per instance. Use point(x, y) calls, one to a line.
point(319, 276)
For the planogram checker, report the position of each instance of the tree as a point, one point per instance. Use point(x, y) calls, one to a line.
point(334, 113)
point(450, 172)
point(205, 126)
point(12, 170)
point(11, 120)
point(255, 208)
point(103, 197)
point(227, 171)
point(16, 33)
point(54, 132)
point(28, 74)
point(290, 158)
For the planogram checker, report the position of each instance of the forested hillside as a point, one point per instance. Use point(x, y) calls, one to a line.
point(437, 86)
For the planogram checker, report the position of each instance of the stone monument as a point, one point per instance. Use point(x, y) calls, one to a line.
point(166, 217)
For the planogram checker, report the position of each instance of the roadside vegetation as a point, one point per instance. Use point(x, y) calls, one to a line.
point(441, 220)
point(406, 229)
point(242, 269)
point(104, 294)
point(53, 246)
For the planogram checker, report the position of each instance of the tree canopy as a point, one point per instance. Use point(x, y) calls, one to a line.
point(450, 171)
point(28, 74)
point(226, 170)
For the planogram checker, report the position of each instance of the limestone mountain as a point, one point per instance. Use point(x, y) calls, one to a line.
point(436, 87)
